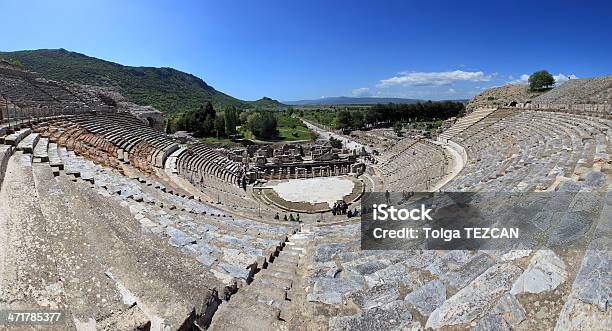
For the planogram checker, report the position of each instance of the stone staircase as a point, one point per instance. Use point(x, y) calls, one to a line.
point(465, 122)
point(274, 299)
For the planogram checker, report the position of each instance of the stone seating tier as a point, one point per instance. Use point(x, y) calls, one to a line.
point(164, 239)
point(531, 150)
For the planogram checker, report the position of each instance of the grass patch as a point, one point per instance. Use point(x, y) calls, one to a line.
point(219, 143)
point(321, 116)
point(289, 129)
point(292, 129)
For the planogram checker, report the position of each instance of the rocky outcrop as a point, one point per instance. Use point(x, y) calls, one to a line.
point(508, 95)
point(584, 91)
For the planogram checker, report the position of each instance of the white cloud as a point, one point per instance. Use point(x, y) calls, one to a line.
point(452, 90)
point(524, 79)
point(360, 91)
point(561, 78)
point(434, 78)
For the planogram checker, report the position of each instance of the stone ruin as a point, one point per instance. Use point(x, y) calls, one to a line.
point(291, 161)
point(23, 91)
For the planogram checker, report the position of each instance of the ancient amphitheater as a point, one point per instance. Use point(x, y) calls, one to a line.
point(121, 227)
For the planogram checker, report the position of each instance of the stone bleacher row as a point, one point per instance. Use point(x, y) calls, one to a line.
point(596, 90)
point(211, 172)
point(465, 122)
point(228, 251)
point(414, 165)
point(121, 137)
point(202, 160)
point(233, 248)
point(396, 150)
point(26, 96)
point(507, 150)
point(528, 150)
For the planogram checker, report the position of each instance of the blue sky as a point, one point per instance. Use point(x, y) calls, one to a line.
point(291, 50)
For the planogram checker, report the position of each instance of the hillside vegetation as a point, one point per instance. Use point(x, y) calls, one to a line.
point(166, 89)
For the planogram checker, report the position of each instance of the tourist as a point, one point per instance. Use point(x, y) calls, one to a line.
point(387, 196)
point(276, 217)
point(297, 217)
point(285, 218)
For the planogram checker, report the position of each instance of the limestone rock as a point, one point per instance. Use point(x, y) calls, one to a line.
point(510, 309)
point(332, 290)
point(594, 179)
point(491, 323)
point(393, 316)
point(473, 300)
point(393, 274)
point(545, 272)
point(376, 296)
point(428, 297)
point(593, 283)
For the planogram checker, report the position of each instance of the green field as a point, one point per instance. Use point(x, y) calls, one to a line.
point(219, 142)
point(289, 129)
point(325, 116)
point(292, 129)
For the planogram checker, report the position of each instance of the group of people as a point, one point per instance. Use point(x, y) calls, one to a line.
point(339, 208)
point(288, 219)
point(342, 208)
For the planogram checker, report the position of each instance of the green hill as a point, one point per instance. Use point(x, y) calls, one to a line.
point(166, 89)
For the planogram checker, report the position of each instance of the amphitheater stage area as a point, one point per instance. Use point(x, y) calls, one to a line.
point(311, 194)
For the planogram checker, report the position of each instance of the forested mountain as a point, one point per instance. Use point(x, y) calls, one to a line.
point(167, 89)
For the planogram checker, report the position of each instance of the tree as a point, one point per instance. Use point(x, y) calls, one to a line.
point(371, 117)
point(220, 126)
point(357, 120)
point(343, 119)
point(540, 80)
point(335, 143)
point(397, 128)
point(207, 128)
point(230, 120)
point(208, 109)
point(243, 118)
point(263, 125)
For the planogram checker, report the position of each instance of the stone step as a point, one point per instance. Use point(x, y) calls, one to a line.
point(265, 277)
point(70, 252)
point(287, 259)
point(282, 273)
point(28, 242)
point(262, 292)
point(15, 138)
point(146, 269)
point(28, 143)
point(54, 158)
point(282, 265)
point(247, 316)
point(41, 150)
point(5, 153)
